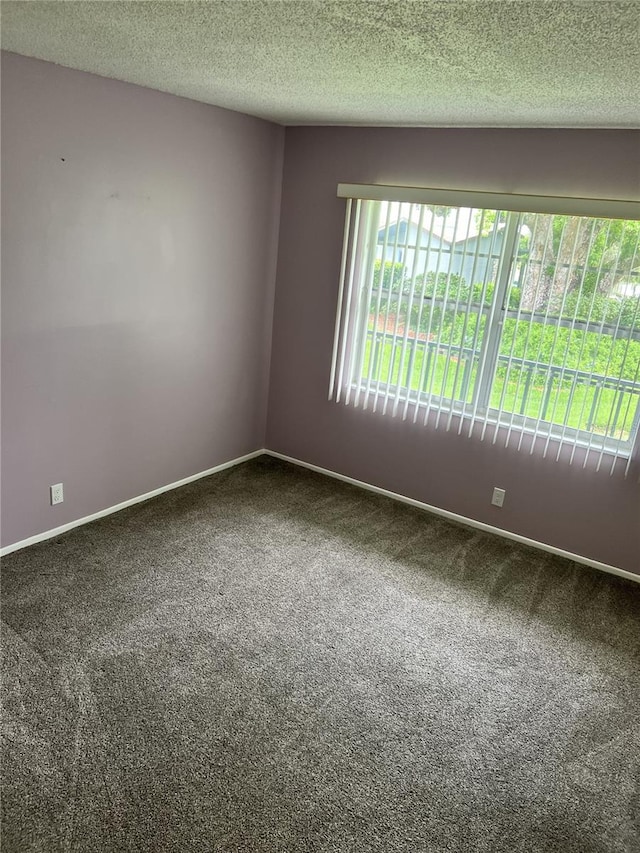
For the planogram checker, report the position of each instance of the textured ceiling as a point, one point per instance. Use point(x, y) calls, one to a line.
point(503, 63)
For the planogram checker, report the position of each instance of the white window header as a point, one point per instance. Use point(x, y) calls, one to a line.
point(605, 208)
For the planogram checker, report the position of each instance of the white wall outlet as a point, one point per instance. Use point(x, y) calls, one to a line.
point(498, 496)
point(57, 494)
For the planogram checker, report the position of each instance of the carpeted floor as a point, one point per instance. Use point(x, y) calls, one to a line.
point(268, 660)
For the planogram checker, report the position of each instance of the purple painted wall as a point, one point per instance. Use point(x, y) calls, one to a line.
point(139, 240)
point(586, 513)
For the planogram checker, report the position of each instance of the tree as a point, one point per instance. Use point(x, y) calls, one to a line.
point(569, 254)
point(563, 254)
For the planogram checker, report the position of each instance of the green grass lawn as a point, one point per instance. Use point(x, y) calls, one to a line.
point(445, 376)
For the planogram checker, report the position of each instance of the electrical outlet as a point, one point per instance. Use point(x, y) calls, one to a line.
point(57, 494)
point(498, 496)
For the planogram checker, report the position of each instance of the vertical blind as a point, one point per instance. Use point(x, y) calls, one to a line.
point(515, 325)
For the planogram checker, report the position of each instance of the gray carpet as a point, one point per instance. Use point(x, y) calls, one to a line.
point(268, 660)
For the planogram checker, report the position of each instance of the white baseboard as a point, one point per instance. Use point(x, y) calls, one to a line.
point(470, 522)
point(56, 531)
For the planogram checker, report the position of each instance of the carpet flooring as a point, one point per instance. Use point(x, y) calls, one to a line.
point(268, 660)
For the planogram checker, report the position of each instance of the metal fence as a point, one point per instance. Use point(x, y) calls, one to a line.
point(549, 375)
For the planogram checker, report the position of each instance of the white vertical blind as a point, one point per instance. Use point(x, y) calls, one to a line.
point(346, 295)
point(343, 270)
point(502, 322)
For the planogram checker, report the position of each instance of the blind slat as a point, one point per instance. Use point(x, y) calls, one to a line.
point(374, 327)
point(346, 324)
point(407, 325)
point(343, 269)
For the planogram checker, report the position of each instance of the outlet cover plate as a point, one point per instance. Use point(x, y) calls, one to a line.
point(498, 496)
point(56, 493)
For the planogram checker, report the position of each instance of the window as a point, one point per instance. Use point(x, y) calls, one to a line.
point(515, 318)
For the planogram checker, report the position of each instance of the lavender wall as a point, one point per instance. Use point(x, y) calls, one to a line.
point(584, 512)
point(139, 234)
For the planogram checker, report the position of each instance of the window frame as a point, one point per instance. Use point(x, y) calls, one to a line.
point(496, 312)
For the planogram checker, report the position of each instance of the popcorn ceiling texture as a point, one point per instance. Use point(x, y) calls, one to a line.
point(537, 64)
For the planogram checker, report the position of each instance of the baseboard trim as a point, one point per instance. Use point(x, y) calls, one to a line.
point(56, 531)
point(453, 516)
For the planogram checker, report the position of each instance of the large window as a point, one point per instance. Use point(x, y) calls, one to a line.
point(513, 318)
